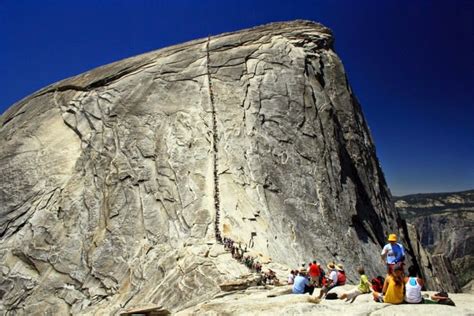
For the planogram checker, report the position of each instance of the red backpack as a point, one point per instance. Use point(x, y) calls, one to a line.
point(341, 278)
point(377, 284)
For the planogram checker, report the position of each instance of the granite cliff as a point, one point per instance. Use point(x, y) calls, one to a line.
point(117, 183)
point(445, 224)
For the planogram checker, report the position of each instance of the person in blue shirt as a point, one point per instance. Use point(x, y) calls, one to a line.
point(393, 253)
point(301, 284)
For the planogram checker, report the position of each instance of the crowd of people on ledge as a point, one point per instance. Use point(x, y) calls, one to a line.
point(396, 288)
point(305, 280)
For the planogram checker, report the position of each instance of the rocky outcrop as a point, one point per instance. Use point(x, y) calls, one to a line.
point(444, 224)
point(277, 301)
point(148, 311)
point(119, 183)
point(436, 270)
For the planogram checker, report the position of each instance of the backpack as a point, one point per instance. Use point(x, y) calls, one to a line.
point(331, 296)
point(377, 284)
point(341, 278)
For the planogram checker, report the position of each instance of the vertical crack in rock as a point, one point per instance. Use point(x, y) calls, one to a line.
point(214, 145)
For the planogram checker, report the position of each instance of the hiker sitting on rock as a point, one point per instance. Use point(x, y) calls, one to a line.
point(272, 278)
point(341, 274)
point(268, 277)
point(413, 286)
point(331, 281)
point(291, 277)
point(301, 284)
point(393, 287)
point(362, 288)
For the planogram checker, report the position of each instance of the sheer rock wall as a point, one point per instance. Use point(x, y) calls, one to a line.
point(114, 180)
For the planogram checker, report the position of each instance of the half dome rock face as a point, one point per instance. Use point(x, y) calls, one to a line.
point(117, 183)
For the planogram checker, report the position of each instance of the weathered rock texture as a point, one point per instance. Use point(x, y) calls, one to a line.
point(277, 301)
point(436, 269)
point(113, 181)
point(444, 223)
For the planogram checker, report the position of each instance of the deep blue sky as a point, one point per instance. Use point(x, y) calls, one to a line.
point(410, 63)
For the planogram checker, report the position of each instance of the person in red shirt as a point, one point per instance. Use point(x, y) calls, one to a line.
point(314, 273)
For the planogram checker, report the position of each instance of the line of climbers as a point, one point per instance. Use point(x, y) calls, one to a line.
point(395, 288)
point(217, 223)
point(238, 253)
point(214, 147)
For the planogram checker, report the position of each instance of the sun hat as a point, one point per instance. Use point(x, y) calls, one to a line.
point(392, 237)
point(331, 266)
point(339, 267)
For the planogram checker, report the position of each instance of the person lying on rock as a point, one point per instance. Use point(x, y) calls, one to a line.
point(442, 298)
point(301, 284)
point(393, 288)
point(331, 281)
point(362, 288)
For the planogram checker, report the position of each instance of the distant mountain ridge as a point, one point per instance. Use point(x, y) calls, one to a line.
point(433, 194)
point(438, 195)
point(445, 225)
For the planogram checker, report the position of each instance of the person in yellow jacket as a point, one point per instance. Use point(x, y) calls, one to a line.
point(393, 287)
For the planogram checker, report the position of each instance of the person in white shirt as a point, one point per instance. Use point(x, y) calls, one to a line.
point(291, 277)
point(393, 253)
point(413, 286)
point(331, 280)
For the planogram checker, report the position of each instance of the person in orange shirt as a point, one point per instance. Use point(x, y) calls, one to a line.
point(393, 288)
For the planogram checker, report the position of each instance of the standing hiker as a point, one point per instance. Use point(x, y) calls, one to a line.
point(393, 253)
point(314, 273)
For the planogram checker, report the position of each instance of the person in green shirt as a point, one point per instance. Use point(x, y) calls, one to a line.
point(362, 288)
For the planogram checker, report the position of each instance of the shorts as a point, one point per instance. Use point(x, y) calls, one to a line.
point(315, 279)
